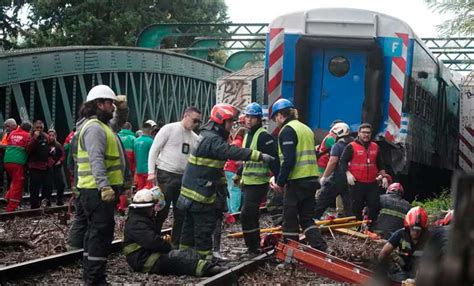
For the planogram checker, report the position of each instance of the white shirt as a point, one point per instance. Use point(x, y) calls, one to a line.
point(167, 148)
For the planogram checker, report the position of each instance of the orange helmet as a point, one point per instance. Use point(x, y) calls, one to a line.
point(448, 217)
point(395, 188)
point(223, 111)
point(416, 218)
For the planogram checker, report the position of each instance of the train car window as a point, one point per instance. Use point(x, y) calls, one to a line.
point(339, 66)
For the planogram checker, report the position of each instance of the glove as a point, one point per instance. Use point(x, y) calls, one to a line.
point(266, 158)
point(107, 194)
point(384, 182)
point(322, 180)
point(350, 178)
point(121, 101)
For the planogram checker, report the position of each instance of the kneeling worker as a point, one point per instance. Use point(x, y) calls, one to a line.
point(147, 251)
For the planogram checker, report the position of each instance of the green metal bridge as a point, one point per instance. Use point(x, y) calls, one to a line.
point(50, 84)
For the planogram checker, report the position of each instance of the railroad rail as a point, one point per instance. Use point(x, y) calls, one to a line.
point(32, 212)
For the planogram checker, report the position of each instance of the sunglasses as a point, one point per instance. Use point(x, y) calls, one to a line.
point(197, 121)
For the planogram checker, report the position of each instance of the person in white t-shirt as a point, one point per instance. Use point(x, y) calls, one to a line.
point(166, 163)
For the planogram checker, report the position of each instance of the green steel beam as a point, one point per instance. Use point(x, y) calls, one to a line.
point(67, 106)
point(238, 60)
point(44, 103)
point(20, 102)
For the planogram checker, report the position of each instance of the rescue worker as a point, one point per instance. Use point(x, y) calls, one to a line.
point(255, 175)
point(127, 137)
point(9, 126)
point(298, 172)
point(141, 148)
point(38, 152)
point(145, 249)
point(333, 181)
point(55, 167)
point(204, 177)
point(410, 241)
point(393, 209)
point(363, 165)
point(16, 156)
point(101, 173)
point(323, 150)
point(168, 158)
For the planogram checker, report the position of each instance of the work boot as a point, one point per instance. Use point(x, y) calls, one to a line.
point(218, 256)
point(214, 270)
point(251, 254)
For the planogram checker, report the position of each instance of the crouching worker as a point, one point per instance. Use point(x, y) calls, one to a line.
point(410, 242)
point(147, 251)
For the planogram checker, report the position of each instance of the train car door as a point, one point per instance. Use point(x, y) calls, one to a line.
point(337, 87)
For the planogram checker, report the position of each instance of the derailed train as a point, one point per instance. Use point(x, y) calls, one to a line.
point(364, 66)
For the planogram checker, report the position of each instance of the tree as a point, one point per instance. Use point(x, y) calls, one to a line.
point(10, 24)
point(111, 22)
point(463, 11)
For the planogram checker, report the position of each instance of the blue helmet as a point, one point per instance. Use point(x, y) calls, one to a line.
point(254, 109)
point(279, 105)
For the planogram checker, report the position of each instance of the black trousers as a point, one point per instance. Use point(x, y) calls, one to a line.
point(365, 194)
point(298, 210)
point(336, 185)
point(79, 226)
point(39, 181)
point(170, 185)
point(56, 177)
point(198, 226)
point(180, 262)
point(250, 215)
point(99, 235)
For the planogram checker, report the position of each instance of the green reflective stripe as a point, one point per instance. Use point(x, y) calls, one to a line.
point(200, 267)
point(109, 169)
point(207, 162)
point(195, 196)
point(255, 155)
point(255, 173)
point(131, 248)
point(392, 213)
point(151, 260)
point(183, 246)
point(305, 152)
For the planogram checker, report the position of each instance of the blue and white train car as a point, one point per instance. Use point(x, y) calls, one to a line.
point(364, 66)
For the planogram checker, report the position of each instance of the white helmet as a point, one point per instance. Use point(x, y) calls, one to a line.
point(341, 129)
point(101, 91)
point(151, 122)
point(148, 198)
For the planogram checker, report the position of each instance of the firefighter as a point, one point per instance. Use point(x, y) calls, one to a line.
point(145, 249)
point(255, 175)
point(333, 181)
point(410, 242)
point(204, 175)
point(101, 172)
point(298, 172)
point(323, 150)
point(393, 209)
point(363, 165)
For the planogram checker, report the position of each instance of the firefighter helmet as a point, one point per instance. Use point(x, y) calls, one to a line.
point(145, 198)
point(396, 188)
point(341, 129)
point(416, 218)
point(222, 112)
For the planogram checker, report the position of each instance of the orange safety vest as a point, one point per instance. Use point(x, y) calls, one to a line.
point(363, 164)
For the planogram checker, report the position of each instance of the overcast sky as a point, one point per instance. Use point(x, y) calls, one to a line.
point(414, 12)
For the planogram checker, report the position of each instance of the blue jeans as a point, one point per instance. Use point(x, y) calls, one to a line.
point(235, 195)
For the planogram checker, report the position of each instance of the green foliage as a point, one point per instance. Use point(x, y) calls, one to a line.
point(10, 24)
point(437, 205)
point(462, 22)
point(111, 22)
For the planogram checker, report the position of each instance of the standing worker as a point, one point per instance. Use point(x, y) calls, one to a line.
point(141, 147)
point(255, 175)
point(101, 169)
point(363, 165)
point(393, 209)
point(204, 176)
point(9, 126)
point(38, 166)
point(333, 181)
point(127, 137)
point(298, 172)
point(169, 154)
point(55, 167)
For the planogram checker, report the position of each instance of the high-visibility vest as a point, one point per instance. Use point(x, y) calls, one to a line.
point(112, 160)
point(363, 163)
point(255, 173)
point(305, 165)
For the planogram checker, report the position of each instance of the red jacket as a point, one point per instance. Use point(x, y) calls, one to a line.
point(231, 165)
point(363, 164)
point(323, 158)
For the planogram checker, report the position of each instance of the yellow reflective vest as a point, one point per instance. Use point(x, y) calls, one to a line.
point(306, 164)
point(112, 160)
point(255, 173)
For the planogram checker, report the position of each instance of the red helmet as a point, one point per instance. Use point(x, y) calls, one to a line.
point(416, 218)
point(396, 188)
point(223, 111)
point(448, 217)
